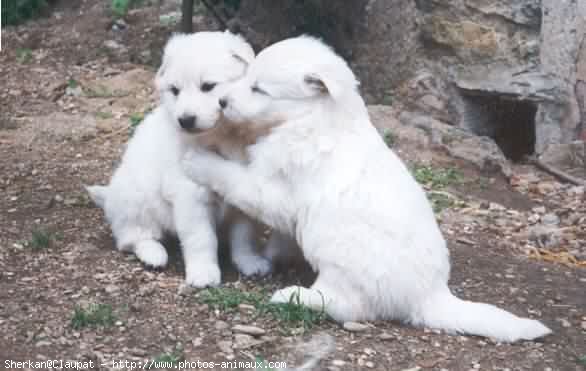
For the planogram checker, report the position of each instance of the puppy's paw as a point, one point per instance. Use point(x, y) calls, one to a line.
point(151, 253)
point(196, 163)
point(253, 265)
point(203, 276)
point(288, 294)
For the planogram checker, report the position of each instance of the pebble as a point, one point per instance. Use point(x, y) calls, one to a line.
point(221, 325)
point(110, 289)
point(386, 336)
point(355, 327)
point(185, 290)
point(249, 330)
point(338, 362)
point(550, 219)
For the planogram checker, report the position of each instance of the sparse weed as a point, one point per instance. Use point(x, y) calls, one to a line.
point(98, 91)
point(95, 315)
point(40, 239)
point(436, 178)
point(104, 115)
point(24, 55)
point(120, 8)
point(389, 138)
point(289, 315)
point(227, 299)
point(72, 83)
point(135, 119)
point(166, 360)
point(264, 364)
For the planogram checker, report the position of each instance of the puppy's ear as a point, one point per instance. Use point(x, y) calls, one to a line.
point(323, 84)
point(240, 49)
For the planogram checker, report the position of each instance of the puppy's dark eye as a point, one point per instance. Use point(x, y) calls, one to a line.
point(256, 89)
point(174, 90)
point(207, 86)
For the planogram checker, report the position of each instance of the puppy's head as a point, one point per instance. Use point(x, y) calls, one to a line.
point(196, 71)
point(288, 80)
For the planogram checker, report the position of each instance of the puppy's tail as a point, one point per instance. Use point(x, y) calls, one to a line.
point(97, 194)
point(446, 312)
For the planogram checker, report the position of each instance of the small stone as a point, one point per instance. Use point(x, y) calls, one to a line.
point(539, 210)
point(386, 337)
point(249, 330)
point(583, 325)
point(221, 325)
point(550, 219)
point(369, 364)
point(246, 307)
point(338, 363)
point(185, 289)
point(564, 322)
point(355, 327)
point(112, 44)
point(110, 289)
point(138, 352)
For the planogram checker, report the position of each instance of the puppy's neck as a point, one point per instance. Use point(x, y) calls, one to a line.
point(231, 141)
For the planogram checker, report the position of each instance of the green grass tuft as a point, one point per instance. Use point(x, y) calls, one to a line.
point(104, 115)
point(289, 315)
point(389, 138)
point(436, 178)
point(168, 360)
point(95, 315)
point(24, 55)
point(40, 239)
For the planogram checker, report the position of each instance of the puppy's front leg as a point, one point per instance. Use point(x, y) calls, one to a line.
point(264, 199)
point(196, 230)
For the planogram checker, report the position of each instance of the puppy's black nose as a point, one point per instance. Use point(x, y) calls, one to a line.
point(223, 102)
point(187, 122)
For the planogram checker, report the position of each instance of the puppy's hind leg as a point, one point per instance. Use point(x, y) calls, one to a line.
point(340, 302)
point(245, 255)
point(143, 241)
point(151, 252)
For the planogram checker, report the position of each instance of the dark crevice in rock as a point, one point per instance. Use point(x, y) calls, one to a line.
point(510, 123)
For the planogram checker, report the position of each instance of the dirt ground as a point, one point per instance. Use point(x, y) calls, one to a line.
point(70, 86)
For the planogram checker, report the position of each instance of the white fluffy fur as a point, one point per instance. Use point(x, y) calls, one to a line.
point(326, 177)
point(149, 193)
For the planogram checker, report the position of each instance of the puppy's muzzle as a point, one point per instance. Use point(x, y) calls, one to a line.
point(188, 122)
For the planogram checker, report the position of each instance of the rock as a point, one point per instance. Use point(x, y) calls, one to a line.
point(338, 362)
point(246, 307)
point(386, 336)
point(110, 289)
point(221, 325)
point(119, 25)
point(355, 327)
point(225, 346)
point(550, 219)
point(545, 236)
point(113, 45)
point(244, 341)
point(170, 19)
point(249, 330)
point(185, 289)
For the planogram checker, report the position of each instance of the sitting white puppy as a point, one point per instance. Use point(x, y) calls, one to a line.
point(149, 193)
point(324, 175)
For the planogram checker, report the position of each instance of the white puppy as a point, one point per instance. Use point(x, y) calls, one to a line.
point(325, 176)
point(149, 193)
